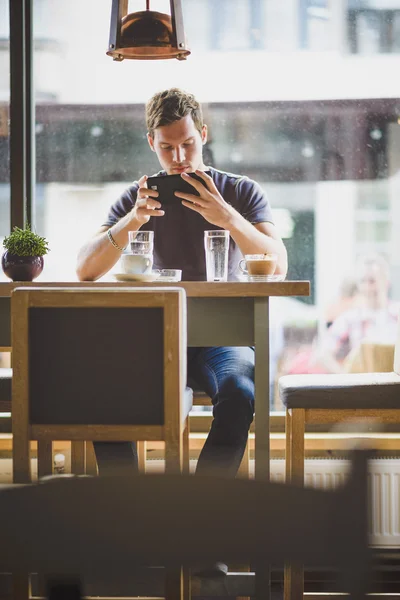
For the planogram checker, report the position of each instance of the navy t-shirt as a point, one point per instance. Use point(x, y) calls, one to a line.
point(179, 234)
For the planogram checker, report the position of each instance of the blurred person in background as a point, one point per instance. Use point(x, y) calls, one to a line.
point(372, 319)
point(348, 297)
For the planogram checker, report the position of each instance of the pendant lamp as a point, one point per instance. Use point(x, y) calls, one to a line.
point(147, 35)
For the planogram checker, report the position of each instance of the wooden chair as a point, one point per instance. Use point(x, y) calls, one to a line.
point(331, 399)
point(370, 358)
point(5, 389)
point(93, 538)
point(44, 454)
point(99, 364)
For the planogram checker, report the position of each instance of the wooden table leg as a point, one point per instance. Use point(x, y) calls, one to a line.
point(262, 408)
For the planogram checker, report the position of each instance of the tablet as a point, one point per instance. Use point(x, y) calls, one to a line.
point(166, 185)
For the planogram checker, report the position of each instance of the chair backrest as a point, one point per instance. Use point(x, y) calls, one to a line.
point(112, 524)
point(370, 358)
point(85, 357)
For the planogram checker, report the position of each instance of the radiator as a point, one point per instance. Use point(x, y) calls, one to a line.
point(383, 488)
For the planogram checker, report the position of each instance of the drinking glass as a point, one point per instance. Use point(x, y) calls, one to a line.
point(139, 260)
point(141, 242)
point(216, 246)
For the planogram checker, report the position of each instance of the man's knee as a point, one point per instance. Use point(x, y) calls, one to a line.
point(235, 399)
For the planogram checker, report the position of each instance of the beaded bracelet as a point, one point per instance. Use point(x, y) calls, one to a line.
point(113, 242)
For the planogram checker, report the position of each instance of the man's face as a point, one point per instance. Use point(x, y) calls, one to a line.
point(179, 146)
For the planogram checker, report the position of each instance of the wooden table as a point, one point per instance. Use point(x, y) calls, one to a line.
point(219, 314)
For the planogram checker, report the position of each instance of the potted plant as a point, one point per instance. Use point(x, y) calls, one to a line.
point(23, 256)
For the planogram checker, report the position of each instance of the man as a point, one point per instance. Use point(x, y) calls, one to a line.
point(176, 133)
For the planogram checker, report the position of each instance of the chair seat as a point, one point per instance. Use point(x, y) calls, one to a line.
point(341, 391)
point(5, 384)
point(187, 402)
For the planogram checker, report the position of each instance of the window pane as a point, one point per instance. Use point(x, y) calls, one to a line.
point(4, 141)
point(316, 126)
point(4, 122)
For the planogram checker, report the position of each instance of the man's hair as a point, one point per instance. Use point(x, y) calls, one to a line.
point(172, 105)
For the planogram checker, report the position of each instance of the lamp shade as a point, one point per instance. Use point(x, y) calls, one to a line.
point(148, 35)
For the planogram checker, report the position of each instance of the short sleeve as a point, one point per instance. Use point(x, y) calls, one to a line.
point(253, 201)
point(122, 206)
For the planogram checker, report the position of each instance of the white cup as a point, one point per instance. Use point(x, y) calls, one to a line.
point(140, 259)
point(136, 264)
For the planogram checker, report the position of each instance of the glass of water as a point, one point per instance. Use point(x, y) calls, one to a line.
point(141, 242)
point(216, 246)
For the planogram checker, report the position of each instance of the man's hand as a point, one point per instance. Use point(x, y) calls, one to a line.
point(210, 204)
point(145, 206)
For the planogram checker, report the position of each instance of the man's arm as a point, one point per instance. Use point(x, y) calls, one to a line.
point(261, 238)
point(98, 255)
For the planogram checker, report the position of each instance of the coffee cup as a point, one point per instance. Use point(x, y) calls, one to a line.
point(136, 264)
point(258, 264)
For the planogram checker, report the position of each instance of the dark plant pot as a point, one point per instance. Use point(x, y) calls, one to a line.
point(21, 268)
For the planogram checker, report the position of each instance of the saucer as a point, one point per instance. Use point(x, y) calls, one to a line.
point(168, 279)
point(259, 278)
point(136, 276)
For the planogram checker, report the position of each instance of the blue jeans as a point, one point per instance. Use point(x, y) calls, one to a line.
point(226, 374)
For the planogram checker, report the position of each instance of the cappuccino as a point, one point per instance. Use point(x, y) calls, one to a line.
point(259, 264)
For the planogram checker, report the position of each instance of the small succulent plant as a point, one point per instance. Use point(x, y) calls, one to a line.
point(25, 242)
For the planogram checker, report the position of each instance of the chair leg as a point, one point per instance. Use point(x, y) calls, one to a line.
point(141, 452)
point(294, 572)
point(186, 449)
point(288, 441)
point(297, 446)
point(242, 569)
point(244, 469)
point(44, 458)
point(21, 453)
point(187, 586)
point(78, 457)
point(244, 473)
point(174, 455)
point(21, 586)
point(90, 458)
point(174, 584)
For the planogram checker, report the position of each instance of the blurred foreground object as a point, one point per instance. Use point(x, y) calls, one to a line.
point(93, 524)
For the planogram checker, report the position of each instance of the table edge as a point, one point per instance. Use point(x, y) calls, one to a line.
point(192, 288)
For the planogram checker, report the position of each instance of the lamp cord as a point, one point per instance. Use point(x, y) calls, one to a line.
point(147, 4)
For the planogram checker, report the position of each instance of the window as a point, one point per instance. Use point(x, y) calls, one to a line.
point(319, 131)
point(4, 120)
point(236, 25)
point(373, 31)
point(315, 26)
point(4, 137)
